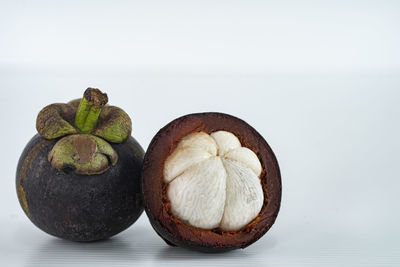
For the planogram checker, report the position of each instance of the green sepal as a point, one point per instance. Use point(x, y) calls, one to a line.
point(114, 125)
point(83, 153)
point(54, 121)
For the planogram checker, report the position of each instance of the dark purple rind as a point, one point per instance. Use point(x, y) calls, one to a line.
point(157, 205)
point(80, 207)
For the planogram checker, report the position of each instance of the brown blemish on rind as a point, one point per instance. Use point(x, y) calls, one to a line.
point(22, 199)
point(22, 174)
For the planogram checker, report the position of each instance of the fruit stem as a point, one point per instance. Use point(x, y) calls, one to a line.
point(89, 109)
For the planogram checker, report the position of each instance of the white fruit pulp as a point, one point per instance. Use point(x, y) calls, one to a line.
point(213, 181)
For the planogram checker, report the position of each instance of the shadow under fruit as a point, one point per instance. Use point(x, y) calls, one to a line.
point(79, 178)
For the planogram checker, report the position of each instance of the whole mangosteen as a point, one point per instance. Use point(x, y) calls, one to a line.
point(79, 177)
point(210, 183)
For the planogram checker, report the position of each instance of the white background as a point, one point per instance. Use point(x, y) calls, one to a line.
point(320, 80)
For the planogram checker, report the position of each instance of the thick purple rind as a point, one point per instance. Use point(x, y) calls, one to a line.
point(170, 228)
point(80, 207)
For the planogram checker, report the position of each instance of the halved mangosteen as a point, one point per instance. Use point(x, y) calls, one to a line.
point(79, 178)
point(211, 183)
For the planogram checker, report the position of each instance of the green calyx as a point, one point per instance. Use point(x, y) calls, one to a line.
point(83, 153)
point(86, 117)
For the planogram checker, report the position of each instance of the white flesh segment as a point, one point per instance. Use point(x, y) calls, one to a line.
point(198, 195)
point(226, 141)
point(200, 140)
point(246, 157)
point(244, 196)
point(191, 150)
point(181, 160)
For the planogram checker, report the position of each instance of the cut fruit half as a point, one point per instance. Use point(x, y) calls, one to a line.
point(210, 183)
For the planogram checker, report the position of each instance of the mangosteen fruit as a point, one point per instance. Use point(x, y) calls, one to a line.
point(211, 183)
point(79, 177)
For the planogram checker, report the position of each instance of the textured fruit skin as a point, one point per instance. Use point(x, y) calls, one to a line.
point(80, 207)
point(157, 206)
